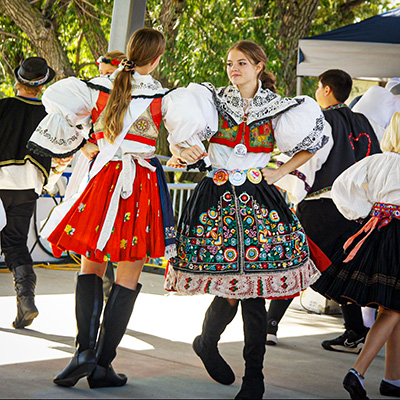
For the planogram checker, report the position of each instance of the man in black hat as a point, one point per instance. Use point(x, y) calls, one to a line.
point(22, 177)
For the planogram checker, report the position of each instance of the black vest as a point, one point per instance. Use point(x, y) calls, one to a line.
point(353, 139)
point(19, 117)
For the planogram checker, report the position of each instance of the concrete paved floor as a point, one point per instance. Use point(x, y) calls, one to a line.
point(156, 351)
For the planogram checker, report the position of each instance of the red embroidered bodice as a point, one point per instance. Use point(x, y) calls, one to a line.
point(259, 139)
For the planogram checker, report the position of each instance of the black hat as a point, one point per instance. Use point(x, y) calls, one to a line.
point(34, 71)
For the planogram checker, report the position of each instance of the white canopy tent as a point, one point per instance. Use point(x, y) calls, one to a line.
point(369, 49)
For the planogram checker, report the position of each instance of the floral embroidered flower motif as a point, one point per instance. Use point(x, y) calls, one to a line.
point(70, 230)
point(97, 228)
point(142, 125)
point(123, 243)
point(106, 257)
point(127, 216)
point(134, 240)
point(81, 207)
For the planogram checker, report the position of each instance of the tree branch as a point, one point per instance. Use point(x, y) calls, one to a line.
point(41, 33)
point(350, 5)
point(78, 52)
point(11, 34)
point(96, 8)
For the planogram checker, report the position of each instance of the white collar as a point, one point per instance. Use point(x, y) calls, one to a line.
point(146, 85)
point(142, 85)
point(265, 106)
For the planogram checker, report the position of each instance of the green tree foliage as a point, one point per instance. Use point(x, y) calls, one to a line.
point(81, 27)
point(207, 28)
point(199, 33)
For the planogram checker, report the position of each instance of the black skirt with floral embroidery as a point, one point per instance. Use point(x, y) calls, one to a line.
point(240, 242)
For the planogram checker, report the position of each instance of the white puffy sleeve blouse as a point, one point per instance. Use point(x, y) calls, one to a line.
point(373, 179)
point(69, 103)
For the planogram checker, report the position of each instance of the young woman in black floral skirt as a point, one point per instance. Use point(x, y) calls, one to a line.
point(237, 238)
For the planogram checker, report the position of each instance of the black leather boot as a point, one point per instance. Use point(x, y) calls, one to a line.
point(117, 313)
point(255, 323)
point(24, 284)
point(89, 304)
point(218, 316)
point(108, 280)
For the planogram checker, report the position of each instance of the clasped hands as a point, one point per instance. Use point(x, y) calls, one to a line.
point(189, 155)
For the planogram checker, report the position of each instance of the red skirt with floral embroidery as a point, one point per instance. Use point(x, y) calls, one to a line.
point(138, 230)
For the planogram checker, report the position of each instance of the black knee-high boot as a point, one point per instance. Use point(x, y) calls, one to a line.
point(218, 316)
point(89, 304)
point(276, 311)
point(108, 280)
point(117, 313)
point(255, 324)
point(24, 284)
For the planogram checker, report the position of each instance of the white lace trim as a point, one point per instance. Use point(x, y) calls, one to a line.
point(170, 251)
point(265, 104)
point(266, 285)
point(312, 142)
point(142, 84)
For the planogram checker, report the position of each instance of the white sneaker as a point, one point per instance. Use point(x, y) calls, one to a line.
point(272, 340)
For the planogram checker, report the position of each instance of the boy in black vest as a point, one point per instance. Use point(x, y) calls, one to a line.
point(353, 139)
point(22, 177)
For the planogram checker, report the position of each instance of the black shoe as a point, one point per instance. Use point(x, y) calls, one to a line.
point(81, 365)
point(106, 377)
point(349, 342)
point(215, 365)
point(388, 389)
point(354, 387)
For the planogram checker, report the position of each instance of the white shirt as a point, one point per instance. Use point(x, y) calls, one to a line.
point(373, 179)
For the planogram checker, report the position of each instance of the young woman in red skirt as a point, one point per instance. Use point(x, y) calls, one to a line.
point(123, 213)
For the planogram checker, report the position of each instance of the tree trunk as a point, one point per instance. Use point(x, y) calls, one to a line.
point(92, 30)
point(42, 34)
point(296, 17)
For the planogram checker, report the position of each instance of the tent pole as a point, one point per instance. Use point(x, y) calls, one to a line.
point(128, 16)
point(299, 86)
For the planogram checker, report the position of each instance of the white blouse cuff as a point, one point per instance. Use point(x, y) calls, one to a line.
point(55, 137)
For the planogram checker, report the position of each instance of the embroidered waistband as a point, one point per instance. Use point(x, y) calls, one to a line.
point(385, 212)
point(381, 215)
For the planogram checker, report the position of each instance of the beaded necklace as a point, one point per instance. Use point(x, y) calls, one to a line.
point(335, 106)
